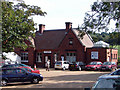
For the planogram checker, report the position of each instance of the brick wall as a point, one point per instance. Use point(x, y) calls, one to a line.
point(76, 47)
point(104, 54)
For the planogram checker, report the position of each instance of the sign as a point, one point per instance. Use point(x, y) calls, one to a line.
point(62, 57)
point(94, 55)
point(47, 52)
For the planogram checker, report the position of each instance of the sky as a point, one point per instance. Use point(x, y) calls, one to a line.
point(61, 11)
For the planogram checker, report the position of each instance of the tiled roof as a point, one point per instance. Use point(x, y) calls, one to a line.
point(50, 39)
point(86, 40)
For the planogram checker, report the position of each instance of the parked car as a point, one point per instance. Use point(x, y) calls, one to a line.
point(107, 81)
point(19, 75)
point(61, 65)
point(29, 69)
point(107, 84)
point(115, 74)
point(95, 65)
point(77, 66)
point(23, 66)
point(108, 66)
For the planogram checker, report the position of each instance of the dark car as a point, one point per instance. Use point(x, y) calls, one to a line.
point(77, 66)
point(95, 65)
point(19, 75)
point(108, 66)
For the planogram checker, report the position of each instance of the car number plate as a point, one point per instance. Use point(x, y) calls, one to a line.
point(72, 65)
point(57, 65)
point(103, 68)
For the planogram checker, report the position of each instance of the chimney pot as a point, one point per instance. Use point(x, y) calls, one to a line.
point(41, 28)
point(68, 26)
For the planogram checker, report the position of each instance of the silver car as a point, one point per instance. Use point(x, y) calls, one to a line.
point(107, 84)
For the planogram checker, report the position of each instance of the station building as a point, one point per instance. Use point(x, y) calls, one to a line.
point(63, 44)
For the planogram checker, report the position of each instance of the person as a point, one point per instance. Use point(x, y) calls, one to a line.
point(48, 65)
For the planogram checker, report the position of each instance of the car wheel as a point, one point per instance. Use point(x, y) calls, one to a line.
point(63, 68)
point(79, 68)
point(3, 82)
point(35, 80)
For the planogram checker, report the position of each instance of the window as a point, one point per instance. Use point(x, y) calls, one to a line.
point(71, 57)
point(56, 57)
point(24, 57)
point(94, 55)
point(70, 42)
point(12, 71)
point(39, 57)
point(27, 69)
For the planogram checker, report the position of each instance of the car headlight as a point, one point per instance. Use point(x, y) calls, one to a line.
point(41, 75)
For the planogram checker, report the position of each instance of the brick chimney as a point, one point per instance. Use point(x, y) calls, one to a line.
point(68, 26)
point(41, 28)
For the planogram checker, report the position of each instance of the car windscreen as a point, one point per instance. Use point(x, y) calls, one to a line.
point(24, 65)
point(93, 63)
point(107, 63)
point(58, 63)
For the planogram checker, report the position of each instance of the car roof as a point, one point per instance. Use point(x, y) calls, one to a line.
point(10, 68)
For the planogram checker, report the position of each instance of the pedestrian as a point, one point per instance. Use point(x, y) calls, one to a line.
point(48, 65)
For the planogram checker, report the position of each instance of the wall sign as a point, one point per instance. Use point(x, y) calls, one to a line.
point(47, 52)
point(94, 55)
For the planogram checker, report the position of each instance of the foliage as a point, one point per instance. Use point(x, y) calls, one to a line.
point(100, 16)
point(17, 25)
point(111, 38)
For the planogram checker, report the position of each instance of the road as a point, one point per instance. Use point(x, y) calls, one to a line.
point(62, 79)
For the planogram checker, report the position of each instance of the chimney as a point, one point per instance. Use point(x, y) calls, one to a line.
point(68, 26)
point(41, 28)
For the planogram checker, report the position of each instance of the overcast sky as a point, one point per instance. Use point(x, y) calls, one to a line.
point(61, 11)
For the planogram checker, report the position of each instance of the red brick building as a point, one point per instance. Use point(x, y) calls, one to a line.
point(60, 44)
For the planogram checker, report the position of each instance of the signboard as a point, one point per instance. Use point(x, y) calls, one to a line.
point(94, 55)
point(47, 52)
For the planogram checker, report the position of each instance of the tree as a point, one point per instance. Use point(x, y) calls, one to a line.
point(17, 26)
point(101, 15)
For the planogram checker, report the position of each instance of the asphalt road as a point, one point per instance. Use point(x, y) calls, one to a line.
point(62, 79)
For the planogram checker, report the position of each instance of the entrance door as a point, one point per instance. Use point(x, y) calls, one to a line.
point(46, 59)
point(71, 57)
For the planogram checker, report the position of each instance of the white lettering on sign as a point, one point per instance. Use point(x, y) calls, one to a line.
point(47, 52)
point(94, 55)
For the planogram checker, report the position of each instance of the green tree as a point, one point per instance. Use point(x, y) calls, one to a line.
point(100, 16)
point(17, 26)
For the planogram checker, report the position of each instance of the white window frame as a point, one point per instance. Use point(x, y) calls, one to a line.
point(25, 56)
point(39, 57)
